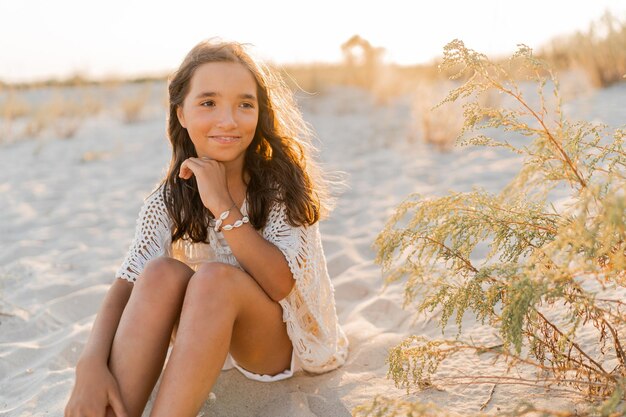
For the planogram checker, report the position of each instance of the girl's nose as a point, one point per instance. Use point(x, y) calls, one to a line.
point(226, 119)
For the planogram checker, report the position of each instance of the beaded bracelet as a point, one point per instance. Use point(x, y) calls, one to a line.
point(222, 217)
point(238, 223)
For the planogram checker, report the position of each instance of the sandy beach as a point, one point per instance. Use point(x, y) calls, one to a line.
point(67, 215)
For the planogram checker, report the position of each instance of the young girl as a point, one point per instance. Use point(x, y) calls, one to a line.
point(226, 265)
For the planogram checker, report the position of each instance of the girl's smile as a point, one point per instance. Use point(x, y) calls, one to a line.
point(225, 139)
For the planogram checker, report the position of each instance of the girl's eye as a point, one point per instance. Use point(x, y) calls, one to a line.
point(209, 103)
point(247, 105)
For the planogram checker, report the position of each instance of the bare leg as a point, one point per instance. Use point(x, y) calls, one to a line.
point(142, 338)
point(224, 309)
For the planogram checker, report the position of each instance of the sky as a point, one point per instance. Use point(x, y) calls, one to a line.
point(43, 39)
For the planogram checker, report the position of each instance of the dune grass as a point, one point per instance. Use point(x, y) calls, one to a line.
point(550, 278)
point(600, 51)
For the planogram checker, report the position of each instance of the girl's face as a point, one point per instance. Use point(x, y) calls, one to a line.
point(220, 111)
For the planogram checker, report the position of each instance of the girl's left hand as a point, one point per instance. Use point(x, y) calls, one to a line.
point(211, 178)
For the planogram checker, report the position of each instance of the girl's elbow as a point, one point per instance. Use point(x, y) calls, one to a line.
point(284, 290)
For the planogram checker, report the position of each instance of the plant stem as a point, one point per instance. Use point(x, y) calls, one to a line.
point(519, 98)
point(575, 345)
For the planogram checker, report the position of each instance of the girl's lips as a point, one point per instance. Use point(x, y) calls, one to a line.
point(224, 139)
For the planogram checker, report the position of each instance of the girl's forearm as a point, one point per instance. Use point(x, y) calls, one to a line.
point(98, 346)
point(261, 259)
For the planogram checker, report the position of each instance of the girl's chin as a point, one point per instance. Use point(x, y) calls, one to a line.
point(220, 157)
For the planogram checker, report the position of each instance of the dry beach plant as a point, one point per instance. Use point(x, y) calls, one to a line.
point(600, 51)
point(12, 107)
point(437, 126)
point(552, 284)
point(60, 115)
point(132, 106)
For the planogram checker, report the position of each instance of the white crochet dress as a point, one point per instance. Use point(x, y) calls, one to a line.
point(309, 312)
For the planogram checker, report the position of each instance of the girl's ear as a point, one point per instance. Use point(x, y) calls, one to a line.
point(181, 116)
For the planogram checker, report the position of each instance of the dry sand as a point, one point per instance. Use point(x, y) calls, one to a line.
point(67, 215)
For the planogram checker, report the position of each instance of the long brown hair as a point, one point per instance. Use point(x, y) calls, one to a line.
point(278, 160)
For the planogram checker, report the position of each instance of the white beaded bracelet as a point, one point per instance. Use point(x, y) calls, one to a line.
point(238, 223)
point(219, 220)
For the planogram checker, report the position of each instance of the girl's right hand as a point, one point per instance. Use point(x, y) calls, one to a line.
point(211, 179)
point(95, 389)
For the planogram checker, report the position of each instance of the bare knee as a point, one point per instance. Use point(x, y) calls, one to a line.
point(216, 282)
point(164, 274)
